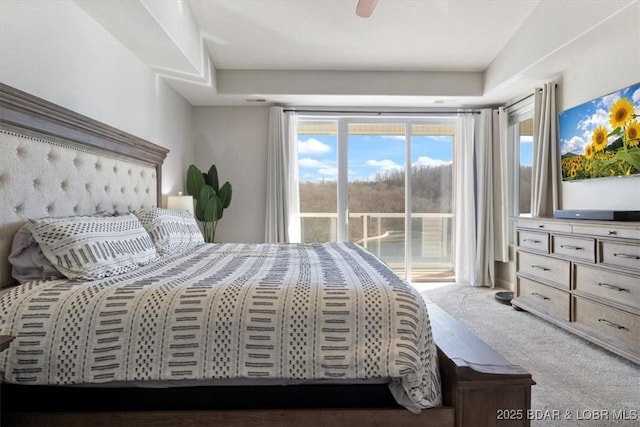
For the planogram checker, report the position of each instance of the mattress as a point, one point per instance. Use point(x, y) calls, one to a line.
point(244, 312)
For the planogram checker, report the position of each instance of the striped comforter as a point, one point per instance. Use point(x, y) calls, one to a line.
point(289, 311)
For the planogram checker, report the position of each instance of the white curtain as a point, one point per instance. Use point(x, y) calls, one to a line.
point(545, 179)
point(503, 161)
point(484, 262)
point(465, 202)
point(282, 219)
point(474, 199)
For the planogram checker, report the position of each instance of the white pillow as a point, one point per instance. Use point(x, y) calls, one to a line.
point(171, 231)
point(89, 247)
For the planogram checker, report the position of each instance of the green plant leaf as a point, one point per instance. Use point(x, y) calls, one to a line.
point(204, 200)
point(195, 181)
point(225, 194)
point(219, 208)
point(211, 213)
point(631, 157)
point(212, 178)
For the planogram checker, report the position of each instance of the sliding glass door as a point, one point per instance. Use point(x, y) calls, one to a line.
point(376, 192)
point(354, 186)
point(318, 174)
point(432, 201)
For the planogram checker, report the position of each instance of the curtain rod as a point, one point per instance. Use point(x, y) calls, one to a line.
point(379, 113)
point(525, 98)
point(519, 101)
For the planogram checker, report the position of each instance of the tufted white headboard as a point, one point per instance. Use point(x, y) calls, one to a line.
point(54, 162)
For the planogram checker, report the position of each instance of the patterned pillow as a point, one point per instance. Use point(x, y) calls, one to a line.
point(89, 247)
point(171, 231)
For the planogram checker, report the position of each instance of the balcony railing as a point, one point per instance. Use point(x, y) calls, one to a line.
point(384, 235)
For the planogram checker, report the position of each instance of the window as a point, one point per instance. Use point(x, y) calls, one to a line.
point(520, 135)
point(525, 161)
point(354, 186)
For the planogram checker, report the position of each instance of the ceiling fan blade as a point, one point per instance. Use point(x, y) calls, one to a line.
point(364, 9)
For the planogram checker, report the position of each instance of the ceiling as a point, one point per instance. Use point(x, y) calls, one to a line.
point(401, 35)
point(409, 53)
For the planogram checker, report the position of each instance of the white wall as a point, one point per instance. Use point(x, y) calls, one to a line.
point(54, 50)
point(235, 140)
point(552, 45)
point(609, 64)
point(598, 62)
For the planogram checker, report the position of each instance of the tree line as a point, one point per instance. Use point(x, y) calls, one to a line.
point(431, 188)
point(432, 192)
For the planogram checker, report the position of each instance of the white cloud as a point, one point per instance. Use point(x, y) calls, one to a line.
point(445, 138)
point(311, 163)
point(429, 162)
point(636, 97)
point(526, 139)
point(313, 146)
point(328, 172)
point(575, 145)
point(608, 100)
point(396, 137)
point(384, 165)
point(599, 118)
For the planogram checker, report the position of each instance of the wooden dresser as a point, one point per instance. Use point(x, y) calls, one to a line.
point(583, 276)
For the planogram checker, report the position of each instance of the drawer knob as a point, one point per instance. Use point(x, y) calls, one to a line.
point(612, 232)
point(628, 256)
point(540, 225)
point(532, 240)
point(539, 267)
point(613, 325)
point(575, 248)
point(614, 287)
point(537, 295)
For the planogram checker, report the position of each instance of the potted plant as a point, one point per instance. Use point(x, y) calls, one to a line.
point(211, 199)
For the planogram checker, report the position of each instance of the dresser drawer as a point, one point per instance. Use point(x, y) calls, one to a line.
point(613, 286)
point(551, 301)
point(580, 248)
point(547, 269)
point(542, 225)
point(619, 254)
point(611, 323)
point(608, 231)
point(533, 241)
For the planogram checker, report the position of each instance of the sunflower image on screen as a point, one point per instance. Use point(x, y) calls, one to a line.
point(601, 138)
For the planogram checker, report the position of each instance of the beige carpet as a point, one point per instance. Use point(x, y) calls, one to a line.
point(578, 383)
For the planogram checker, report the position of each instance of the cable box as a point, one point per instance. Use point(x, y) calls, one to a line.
point(598, 215)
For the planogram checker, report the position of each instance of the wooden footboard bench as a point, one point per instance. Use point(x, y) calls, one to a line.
point(480, 384)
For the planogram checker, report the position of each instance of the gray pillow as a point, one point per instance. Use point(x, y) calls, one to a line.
point(27, 260)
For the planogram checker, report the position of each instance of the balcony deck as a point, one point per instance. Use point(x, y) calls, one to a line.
point(384, 235)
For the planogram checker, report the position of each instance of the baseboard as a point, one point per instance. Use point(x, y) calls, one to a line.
point(504, 284)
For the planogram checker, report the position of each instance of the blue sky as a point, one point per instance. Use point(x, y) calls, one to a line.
point(578, 123)
point(526, 150)
point(368, 155)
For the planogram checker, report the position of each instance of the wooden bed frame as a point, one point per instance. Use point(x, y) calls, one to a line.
point(480, 387)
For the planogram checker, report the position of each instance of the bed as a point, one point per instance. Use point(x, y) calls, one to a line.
point(411, 370)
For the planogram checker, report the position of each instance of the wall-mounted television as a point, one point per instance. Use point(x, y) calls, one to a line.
point(601, 138)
